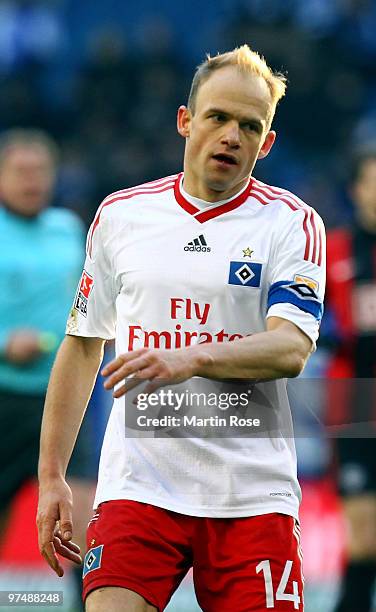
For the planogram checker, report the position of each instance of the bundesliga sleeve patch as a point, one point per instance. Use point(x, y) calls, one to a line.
point(83, 293)
point(301, 295)
point(246, 274)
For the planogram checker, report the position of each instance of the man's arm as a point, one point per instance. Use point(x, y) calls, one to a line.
point(279, 352)
point(71, 383)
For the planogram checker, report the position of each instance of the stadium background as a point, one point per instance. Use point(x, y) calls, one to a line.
point(105, 79)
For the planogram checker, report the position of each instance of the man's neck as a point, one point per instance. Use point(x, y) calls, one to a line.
point(205, 193)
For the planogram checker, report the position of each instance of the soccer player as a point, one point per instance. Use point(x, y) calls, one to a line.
point(209, 273)
point(352, 302)
point(42, 249)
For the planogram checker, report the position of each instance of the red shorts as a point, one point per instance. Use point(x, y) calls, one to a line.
point(239, 564)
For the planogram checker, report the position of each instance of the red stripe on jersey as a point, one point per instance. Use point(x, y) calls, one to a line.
point(308, 236)
point(320, 247)
point(292, 202)
point(149, 188)
point(149, 184)
point(120, 199)
point(309, 226)
point(126, 194)
point(188, 207)
point(258, 198)
point(315, 238)
point(170, 177)
point(206, 215)
point(152, 185)
point(278, 191)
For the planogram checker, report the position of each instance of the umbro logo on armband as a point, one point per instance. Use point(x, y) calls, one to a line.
point(198, 244)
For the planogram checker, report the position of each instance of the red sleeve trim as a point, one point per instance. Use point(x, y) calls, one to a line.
point(313, 238)
point(125, 194)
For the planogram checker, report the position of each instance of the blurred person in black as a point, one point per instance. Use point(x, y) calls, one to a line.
point(351, 299)
point(42, 248)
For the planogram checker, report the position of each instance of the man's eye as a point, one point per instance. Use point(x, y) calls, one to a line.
point(219, 118)
point(252, 127)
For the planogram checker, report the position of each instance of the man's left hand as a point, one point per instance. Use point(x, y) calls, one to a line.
point(158, 366)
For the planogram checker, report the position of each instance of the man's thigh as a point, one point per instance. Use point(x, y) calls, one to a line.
point(135, 547)
point(249, 564)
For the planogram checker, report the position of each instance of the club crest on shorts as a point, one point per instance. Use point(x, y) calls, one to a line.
point(84, 290)
point(93, 560)
point(246, 274)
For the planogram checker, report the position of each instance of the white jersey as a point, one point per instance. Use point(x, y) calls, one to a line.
point(166, 270)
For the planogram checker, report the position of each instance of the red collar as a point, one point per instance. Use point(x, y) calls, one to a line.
point(206, 215)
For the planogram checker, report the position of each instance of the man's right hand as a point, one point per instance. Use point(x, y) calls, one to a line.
point(23, 347)
point(54, 521)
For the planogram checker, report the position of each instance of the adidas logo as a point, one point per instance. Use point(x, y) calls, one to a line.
point(199, 245)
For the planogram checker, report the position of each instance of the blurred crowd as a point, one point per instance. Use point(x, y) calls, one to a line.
point(105, 79)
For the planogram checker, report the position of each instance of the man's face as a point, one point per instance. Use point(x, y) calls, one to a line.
point(364, 194)
point(26, 178)
point(227, 133)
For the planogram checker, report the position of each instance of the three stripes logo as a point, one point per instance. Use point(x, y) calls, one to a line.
point(198, 244)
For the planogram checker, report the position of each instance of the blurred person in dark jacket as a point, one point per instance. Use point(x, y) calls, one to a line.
point(40, 262)
point(351, 299)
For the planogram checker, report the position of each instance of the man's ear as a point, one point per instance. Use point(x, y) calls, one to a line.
point(268, 143)
point(184, 121)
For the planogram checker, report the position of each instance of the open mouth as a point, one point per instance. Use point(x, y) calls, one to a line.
point(225, 159)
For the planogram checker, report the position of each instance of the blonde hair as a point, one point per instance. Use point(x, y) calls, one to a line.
point(249, 62)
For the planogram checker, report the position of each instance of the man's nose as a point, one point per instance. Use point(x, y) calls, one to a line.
point(231, 136)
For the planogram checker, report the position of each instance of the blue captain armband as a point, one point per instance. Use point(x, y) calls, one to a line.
point(297, 294)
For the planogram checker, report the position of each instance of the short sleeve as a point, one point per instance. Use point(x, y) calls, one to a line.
point(297, 275)
point(93, 312)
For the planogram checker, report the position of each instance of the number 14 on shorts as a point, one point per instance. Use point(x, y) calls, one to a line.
point(264, 567)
